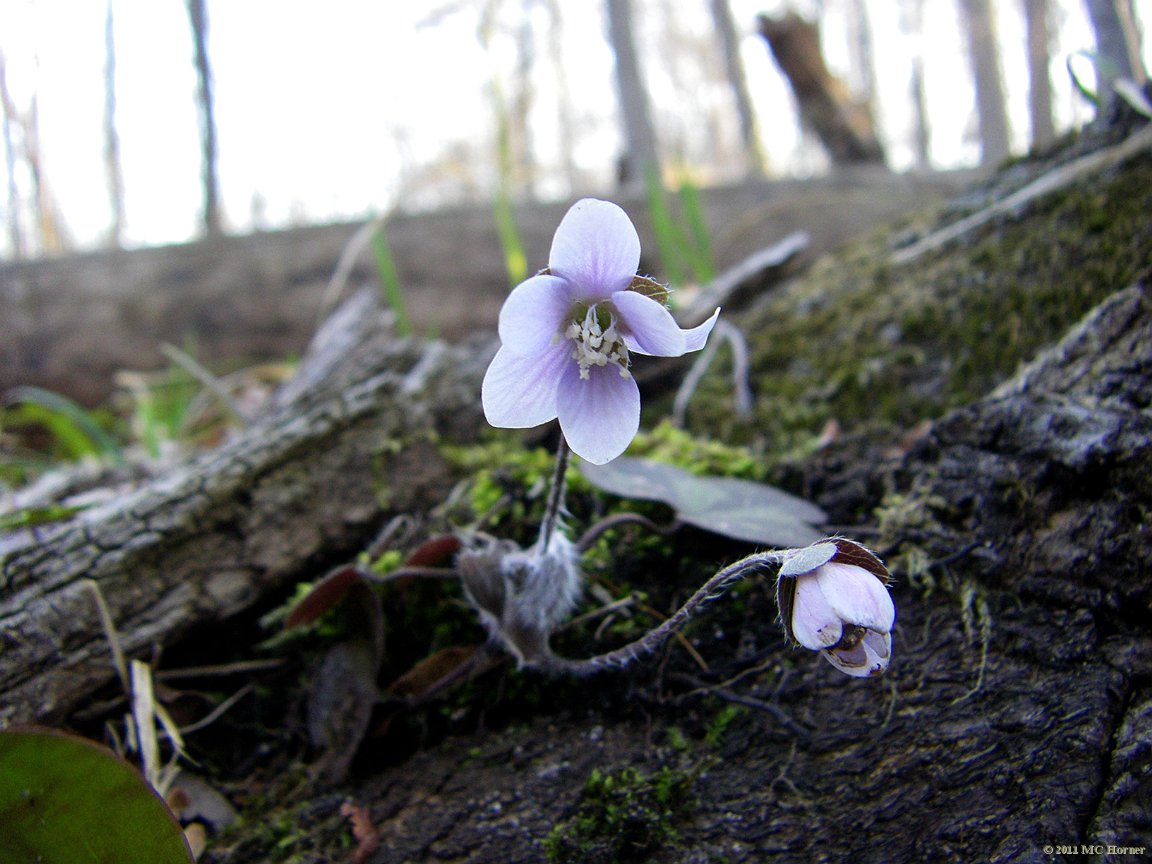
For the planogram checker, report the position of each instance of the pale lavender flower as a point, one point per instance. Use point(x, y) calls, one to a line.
point(833, 599)
point(566, 335)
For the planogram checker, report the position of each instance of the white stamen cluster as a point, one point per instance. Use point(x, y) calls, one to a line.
point(597, 345)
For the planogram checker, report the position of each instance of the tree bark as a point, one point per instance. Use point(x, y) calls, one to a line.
point(912, 25)
point(844, 127)
point(979, 26)
point(198, 18)
point(113, 167)
point(213, 537)
point(1036, 19)
point(641, 157)
point(738, 83)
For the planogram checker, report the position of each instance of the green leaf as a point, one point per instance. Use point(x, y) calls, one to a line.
point(735, 508)
point(390, 281)
point(67, 800)
point(73, 427)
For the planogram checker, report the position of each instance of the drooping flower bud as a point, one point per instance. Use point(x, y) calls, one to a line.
point(833, 599)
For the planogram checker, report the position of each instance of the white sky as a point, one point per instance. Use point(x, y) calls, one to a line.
point(335, 111)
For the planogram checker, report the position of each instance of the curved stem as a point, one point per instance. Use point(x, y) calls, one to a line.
point(615, 521)
point(656, 637)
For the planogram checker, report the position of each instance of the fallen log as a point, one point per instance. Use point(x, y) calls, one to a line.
point(205, 541)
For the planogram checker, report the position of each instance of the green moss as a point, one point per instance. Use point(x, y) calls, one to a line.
point(667, 443)
point(626, 816)
point(721, 723)
point(877, 346)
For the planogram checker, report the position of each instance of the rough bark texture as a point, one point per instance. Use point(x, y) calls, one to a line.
point(211, 538)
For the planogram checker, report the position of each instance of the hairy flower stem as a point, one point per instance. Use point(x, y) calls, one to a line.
point(555, 495)
point(654, 638)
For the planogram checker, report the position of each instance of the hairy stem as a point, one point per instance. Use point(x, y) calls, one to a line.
point(656, 637)
point(555, 495)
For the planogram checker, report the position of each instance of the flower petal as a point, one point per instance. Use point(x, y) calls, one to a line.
point(649, 327)
point(597, 248)
point(815, 624)
point(695, 338)
point(856, 595)
point(520, 392)
point(600, 414)
point(869, 657)
point(534, 313)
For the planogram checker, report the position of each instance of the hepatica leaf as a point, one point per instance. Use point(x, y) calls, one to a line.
point(735, 508)
point(64, 799)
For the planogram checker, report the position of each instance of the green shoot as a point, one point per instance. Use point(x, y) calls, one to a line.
point(389, 280)
point(76, 432)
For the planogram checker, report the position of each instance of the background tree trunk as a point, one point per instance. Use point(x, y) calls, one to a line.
point(1117, 48)
point(1037, 14)
point(912, 25)
point(198, 17)
point(112, 164)
point(979, 27)
point(734, 70)
point(641, 157)
point(15, 230)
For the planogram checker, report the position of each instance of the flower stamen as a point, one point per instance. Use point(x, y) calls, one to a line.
point(597, 341)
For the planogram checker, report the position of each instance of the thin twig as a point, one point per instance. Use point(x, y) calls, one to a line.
point(721, 692)
point(741, 390)
point(411, 572)
point(1057, 178)
point(615, 521)
point(221, 669)
point(214, 385)
point(217, 712)
point(110, 634)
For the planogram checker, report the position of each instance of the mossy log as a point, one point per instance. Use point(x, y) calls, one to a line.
point(207, 540)
point(992, 400)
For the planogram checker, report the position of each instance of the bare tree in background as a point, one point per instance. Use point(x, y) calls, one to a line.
point(198, 16)
point(738, 82)
point(861, 54)
point(10, 120)
point(49, 225)
point(979, 24)
point(912, 23)
point(564, 119)
point(1117, 45)
point(1037, 17)
point(641, 156)
point(112, 163)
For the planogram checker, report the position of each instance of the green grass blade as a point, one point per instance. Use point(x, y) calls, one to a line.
point(390, 281)
point(668, 234)
point(703, 263)
point(73, 428)
point(515, 259)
